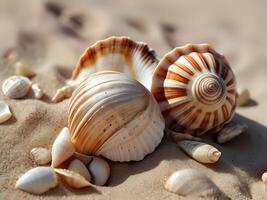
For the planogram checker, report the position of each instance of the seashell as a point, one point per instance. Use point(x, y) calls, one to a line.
point(189, 182)
point(62, 148)
point(112, 115)
point(73, 179)
point(64, 92)
point(264, 177)
point(84, 158)
point(23, 70)
point(41, 156)
point(38, 93)
point(16, 87)
point(195, 88)
point(5, 113)
point(100, 171)
point(199, 151)
point(37, 180)
point(243, 97)
point(77, 166)
point(231, 131)
point(118, 54)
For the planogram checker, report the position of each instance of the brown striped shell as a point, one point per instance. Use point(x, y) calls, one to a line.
point(117, 54)
point(195, 88)
point(114, 116)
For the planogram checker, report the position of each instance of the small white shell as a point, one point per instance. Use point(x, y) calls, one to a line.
point(41, 155)
point(77, 166)
point(264, 177)
point(16, 86)
point(73, 179)
point(189, 182)
point(199, 151)
point(84, 158)
point(37, 180)
point(5, 113)
point(23, 70)
point(37, 91)
point(100, 171)
point(62, 148)
point(62, 93)
point(231, 131)
point(243, 97)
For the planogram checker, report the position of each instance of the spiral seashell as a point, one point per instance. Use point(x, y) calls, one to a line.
point(77, 166)
point(192, 183)
point(38, 180)
point(5, 113)
point(100, 171)
point(195, 88)
point(201, 152)
point(118, 54)
point(114, 116)
point(62, 148)
point(16, 87)
point(41, 155)
point(73, 179)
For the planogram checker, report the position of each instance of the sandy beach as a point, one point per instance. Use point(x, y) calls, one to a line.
point(42, 35)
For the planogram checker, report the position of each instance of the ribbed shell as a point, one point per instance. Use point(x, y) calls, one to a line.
point(115, 116)
point(118, 54)
point(195, 88)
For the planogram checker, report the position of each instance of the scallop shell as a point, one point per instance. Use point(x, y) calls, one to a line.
point(189, 182)
point(5, 113)
point(73, 179)
point(41, 155)
point(118, 54)
point(37, 180)
point(100, 171)
point(114, 116)
point(77, 166)
point(16, 87)
point(195, 88)
point(62, 148)
point(201, 152)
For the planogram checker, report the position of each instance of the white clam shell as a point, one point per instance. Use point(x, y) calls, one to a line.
point(118, 54)
point(199, 151)
point(37, 91)
point(41, 156)
point(100, 171)
point(23, 70)
point(16, 86)
point(73, 179)
point(37, 180)
point(77, 166)
point(83, 158)
point(189, 182)
point(5, 113)
point(62, 148)
point(112, 115)
point(195, 88)
point(231, 131)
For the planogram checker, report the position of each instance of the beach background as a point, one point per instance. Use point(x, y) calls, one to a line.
point(51, 35)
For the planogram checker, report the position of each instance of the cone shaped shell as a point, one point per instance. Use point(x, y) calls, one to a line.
point(5, 113)
point(118, 54)
point(38, 180)
point(114, 116)
point(62, 148)
point(196, 89)
point(199, 151)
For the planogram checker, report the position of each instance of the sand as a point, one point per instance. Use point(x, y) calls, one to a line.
point(46, 40)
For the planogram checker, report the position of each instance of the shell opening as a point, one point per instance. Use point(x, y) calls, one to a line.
point(209, 89)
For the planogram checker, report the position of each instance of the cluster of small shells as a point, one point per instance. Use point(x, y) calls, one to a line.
point(81, 170)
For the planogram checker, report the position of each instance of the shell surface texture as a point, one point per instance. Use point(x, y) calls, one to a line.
point(16, 87)
point(38, 180)
point(118, 54)
point(195, 88)
point(5, 113)
point(112, 115)
point(62, 148)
